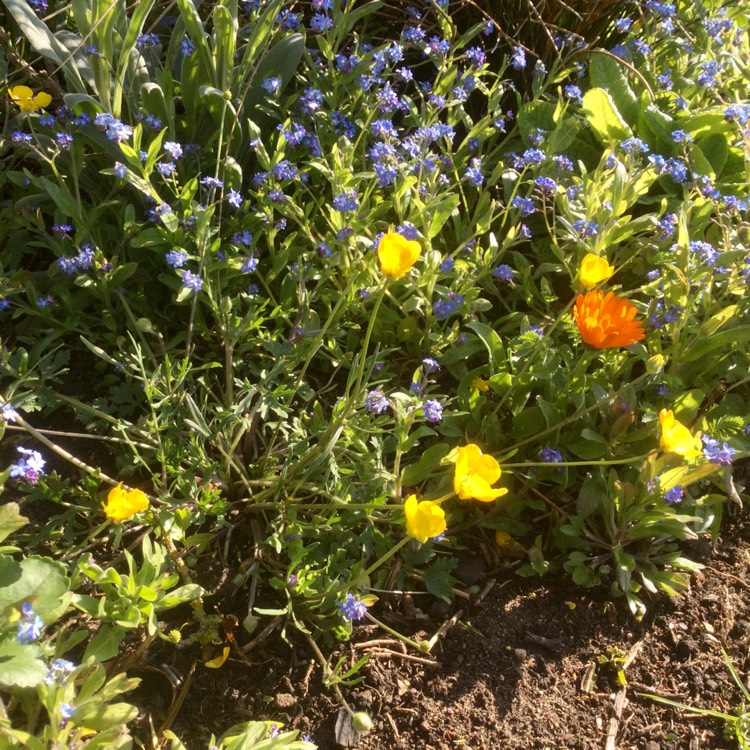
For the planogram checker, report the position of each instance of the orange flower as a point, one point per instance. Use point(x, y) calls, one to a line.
point(607, 322)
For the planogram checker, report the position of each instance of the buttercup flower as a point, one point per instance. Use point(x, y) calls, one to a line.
point(26, 100)
point(607, 322)
point(676, 438)
point(397, 255)
point(475, 472)
point(123, 504)
point(594, 269)
point(424, 519)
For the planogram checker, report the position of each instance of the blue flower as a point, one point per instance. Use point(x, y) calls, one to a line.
point(346, 201)
point(533, 157)
point(503, 272)
point(446, 266)
point(433, 411)
point(623, 25)
point(58, 672)
point(716, 453)
point(376, 402)
point(271, 85)
point(525, 205)
point(551, 455)
point(438, 46)
point(352, 608)
point(192, 281)
point(120, 170)
point(186, 47)
point(474, 173)
point(518, 61)
point(430, 365)
point(311, 101)
point(234, 198)
point(8, 413)
point(444, 308)
point(674, 495)
point(546, 184)
point(212, 183)
point(30, 627)
point(475, 56)
point(320, 23)
point(634, 146)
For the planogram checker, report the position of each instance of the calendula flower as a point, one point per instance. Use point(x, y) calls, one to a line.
point(123, 504)
point(594, 269)
point(607, 321)
point(676, 438)
point(397, 255)
point(424, 519)
point(26, 100)
point(475, 472)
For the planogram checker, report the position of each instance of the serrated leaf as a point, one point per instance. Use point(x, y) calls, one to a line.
point(20, 666)
point(35, 577)
point(438, 579)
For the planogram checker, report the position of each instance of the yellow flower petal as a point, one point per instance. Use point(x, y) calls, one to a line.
point(594, 269)
point(123, 504)
point(676, 438)
point(475, 472)
point(397, 255)
point(219, 660)
point(24, 97)
point(424, 520)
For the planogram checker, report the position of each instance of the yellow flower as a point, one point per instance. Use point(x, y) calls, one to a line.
point(676, 438)
point(475, 472)
point(24, 97)
point(123, 504)
point(424, 520)
point(480, 384)
point(397, 255)
point(594, 269)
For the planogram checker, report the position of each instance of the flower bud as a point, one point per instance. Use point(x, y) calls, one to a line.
point(362, 722)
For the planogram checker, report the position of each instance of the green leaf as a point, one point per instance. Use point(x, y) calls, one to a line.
point(438, 579)
point(428, 462)
point(715, 149)
point(492, 342)
point(604, 118)
point(10, 520)
point(37, 578)
point(105, 645)
point(20, 666)
point(100, 717)
point(440, 213)
point(225, 41)
point(45, 42)
point(702, 346)
point(608, 74)
point(686, 475)
point(187, 593)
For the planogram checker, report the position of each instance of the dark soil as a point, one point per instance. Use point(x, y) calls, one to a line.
point(530, 666)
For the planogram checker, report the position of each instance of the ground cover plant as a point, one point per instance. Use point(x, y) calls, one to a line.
point(318, 299)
